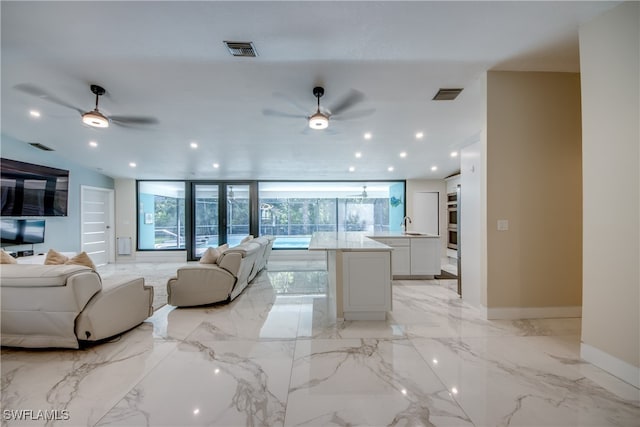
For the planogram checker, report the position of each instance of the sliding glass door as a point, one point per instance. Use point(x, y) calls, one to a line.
point(238, 213)
point(221, 214)
point(206, 224)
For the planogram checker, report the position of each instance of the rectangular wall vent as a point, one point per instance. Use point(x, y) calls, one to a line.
point(245, 49)
point(447, 94)
point(41, 146)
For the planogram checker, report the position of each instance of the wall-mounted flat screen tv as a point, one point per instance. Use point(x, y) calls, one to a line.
point(33, 190)
point(22, 231)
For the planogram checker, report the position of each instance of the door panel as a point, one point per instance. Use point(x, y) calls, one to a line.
point(206, 223)
point(96, 238)
point(238, 216)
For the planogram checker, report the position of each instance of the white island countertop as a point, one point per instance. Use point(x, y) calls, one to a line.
point(402, 235)
point(345, 241)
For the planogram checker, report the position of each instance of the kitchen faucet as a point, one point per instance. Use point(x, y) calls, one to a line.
point(405, 220)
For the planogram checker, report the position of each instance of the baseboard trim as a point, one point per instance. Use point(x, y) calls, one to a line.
point(533, 312)
point(616, 367)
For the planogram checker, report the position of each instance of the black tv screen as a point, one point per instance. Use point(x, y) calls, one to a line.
point(22, 231)
point(33, 190)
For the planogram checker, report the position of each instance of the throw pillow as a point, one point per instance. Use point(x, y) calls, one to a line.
point(246, 239)
point(81, 259)
point(5, 258)
point(55, 258)
point(211, 255)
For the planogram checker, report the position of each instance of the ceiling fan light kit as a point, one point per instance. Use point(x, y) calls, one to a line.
point(96, 119)
point(318, 121)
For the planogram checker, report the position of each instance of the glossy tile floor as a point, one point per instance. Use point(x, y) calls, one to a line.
point(274, 356)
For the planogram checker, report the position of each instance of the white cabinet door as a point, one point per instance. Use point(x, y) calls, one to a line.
point(401, 255)
point(425, 256)
point(366, 282)
point(401, 261)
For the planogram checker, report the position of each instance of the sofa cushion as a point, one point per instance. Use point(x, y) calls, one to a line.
point(5, 258)
point(246, 239)
point(37, 275)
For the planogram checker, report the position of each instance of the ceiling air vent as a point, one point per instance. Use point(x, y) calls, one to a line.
point(447, 94)
point(40, 146)
point(245, 49)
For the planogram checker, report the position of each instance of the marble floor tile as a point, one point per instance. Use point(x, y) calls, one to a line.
point(231, 383)
point(277, 355)
point(87, 382)
point(366, 382)
point(512, 380)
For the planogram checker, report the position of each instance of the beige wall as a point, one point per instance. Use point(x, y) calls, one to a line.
point(609, 58)
point(534, 180)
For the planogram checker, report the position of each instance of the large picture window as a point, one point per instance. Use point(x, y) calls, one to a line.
point(161, 215)
point(293, 211)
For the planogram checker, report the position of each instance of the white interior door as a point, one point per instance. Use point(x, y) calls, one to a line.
point(425, 212)
point(97, 235)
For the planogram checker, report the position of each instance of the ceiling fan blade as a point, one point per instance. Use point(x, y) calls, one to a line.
point(43, 94)
point(351, 99)
point(284, 97)
point(270, 112)
point(354, 114)
point(133, 120)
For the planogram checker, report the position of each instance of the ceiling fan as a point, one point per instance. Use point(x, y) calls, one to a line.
point(320, 119)
point(362, 195)
point(92, 118)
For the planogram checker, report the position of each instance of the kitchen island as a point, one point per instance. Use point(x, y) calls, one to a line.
point(359, 274)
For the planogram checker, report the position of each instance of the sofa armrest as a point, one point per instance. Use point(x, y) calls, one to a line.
point(199, 285)
point(123, 303)
point(231, 262)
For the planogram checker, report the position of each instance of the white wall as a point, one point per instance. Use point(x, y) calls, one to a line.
point(473, 234)
point(609, 62)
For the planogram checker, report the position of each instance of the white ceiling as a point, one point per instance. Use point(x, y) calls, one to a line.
point(167, 60)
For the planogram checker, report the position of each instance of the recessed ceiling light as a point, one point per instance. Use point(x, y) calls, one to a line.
point(454, 154)
point(367, 135)
point(358, 155)
point(434, 168)
point(403, 154)
point(132, 164)
point(194, 145)
point(419, 135)
point(390, 168)
point(216, 165)
point(352, 169)
point(34, 113)
point(93, 144)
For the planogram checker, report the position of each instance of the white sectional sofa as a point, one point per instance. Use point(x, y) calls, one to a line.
point(201, 284)
point(63, 305)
